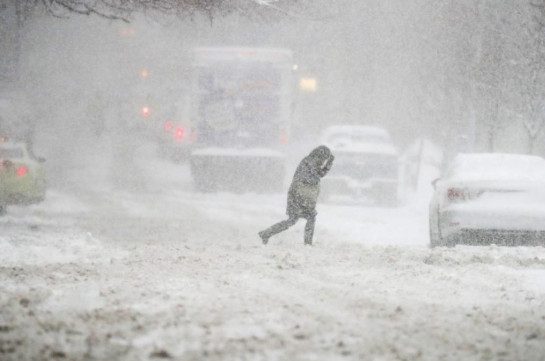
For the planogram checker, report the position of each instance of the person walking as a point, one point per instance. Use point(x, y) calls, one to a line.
point(303, 194)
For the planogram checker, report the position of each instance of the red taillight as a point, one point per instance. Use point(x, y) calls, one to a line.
point(146, 112)
point(283, 139)
point(179, 133)
point(22, 171)
point(168, 126)
point(463, 194)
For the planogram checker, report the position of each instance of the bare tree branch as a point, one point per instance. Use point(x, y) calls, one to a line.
point(124, 9)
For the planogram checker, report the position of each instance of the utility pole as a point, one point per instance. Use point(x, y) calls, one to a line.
point(10, 42)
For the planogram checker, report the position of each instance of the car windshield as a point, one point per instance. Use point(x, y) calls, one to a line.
point(501, 167)
point(11, 153)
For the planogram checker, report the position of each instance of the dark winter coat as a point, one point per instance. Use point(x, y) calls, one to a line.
point(305, 186)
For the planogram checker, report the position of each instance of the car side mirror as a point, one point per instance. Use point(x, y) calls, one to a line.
point(434, 182)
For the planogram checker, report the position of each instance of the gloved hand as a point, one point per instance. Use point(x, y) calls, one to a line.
point(327, 166)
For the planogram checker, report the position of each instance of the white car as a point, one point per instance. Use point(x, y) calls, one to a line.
point(489, 198)
point(366, 163)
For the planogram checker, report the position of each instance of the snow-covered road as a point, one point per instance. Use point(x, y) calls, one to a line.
point(170, 274)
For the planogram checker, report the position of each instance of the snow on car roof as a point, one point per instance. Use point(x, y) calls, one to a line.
point(359, 129)
point(359, 139)
point(238, 152)
point(497, 166)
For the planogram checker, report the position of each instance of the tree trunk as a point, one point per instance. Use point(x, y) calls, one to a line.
point(531, 144)
point(490, 140)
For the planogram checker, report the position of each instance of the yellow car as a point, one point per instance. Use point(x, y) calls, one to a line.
point(22, 177)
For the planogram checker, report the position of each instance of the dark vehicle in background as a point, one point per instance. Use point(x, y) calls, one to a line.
point(176, 136)
point(489, 198)
point(241, 118)
point(22, 177)
point(366, 164)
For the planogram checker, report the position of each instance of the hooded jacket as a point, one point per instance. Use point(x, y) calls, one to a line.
point(305, 186)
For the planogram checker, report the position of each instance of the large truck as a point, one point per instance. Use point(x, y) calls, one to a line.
point(241, 118)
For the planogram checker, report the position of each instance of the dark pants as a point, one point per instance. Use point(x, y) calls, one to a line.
point(283, 225)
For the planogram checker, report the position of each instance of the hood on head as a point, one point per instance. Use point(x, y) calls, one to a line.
point(322, 152)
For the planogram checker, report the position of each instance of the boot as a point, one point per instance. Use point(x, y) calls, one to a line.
point(264, 237)
point(309, 230)
point(277, 228)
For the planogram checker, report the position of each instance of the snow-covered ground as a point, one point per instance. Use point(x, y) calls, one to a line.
point(159, 272)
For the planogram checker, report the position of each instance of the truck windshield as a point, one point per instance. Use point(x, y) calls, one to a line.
point(239, 101)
